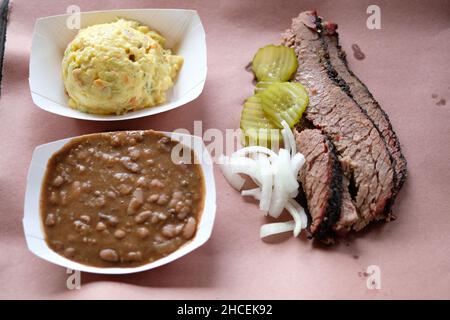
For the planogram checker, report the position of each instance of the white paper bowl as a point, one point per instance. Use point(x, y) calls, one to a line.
point(182, 29)
point(34, 232)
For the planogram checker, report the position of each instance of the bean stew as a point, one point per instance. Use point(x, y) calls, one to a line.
point(118, 199)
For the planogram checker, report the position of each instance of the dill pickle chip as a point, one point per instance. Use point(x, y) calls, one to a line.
point(262, 85)
point(257, 129)
point(284, 101)
point(274, 63)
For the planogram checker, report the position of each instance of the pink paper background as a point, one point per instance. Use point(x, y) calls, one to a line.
point(406, 62)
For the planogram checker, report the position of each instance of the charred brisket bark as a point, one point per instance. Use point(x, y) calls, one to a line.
point(321, 179)
point(365, 99)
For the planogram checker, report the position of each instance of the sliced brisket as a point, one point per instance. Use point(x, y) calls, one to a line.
point(364, 157)
point(321, 179)
point(347, 213)
point(364, 98)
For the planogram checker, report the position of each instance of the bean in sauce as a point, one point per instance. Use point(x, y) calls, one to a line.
point(118, 200)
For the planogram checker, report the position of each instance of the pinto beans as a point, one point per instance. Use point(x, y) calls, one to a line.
point(130, 165)
point(143, 216)
point(142, 232)
point(100, 226)
point(110, 220)
point(142, 182)
point(189, 228)
point(177, 195)
point(136, 202)
point(139, 195)
point(153, 198)
point(69, 252)
point(109, 255)
point(157, 183)
point(50, 220)
point(124, 189)
point(134, 153)
point(170, 230)
point(85, 219)
point(120, 234)
point(118, 199)
point(134, 256)
point(162, 199)
point(58, 181)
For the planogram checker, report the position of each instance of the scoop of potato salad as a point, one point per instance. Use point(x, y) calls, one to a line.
point(114, 68)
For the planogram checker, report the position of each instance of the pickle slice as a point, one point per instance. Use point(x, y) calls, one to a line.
point(284, 101)
point(274, 63)
point(257, 129)
point(262, 85)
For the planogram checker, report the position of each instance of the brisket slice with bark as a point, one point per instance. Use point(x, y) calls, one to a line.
point(321, 179)
point(364, 157)
point(365, 99)
point(346, 215)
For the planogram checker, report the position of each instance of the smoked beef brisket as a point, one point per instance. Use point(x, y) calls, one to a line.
point(368, 169)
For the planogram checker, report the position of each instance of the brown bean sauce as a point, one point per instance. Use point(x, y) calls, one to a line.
point(118, 200)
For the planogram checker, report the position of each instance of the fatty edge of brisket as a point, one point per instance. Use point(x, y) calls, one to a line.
point(331, 36)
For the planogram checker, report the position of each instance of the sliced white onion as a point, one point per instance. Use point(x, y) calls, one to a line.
point(287, 143)
point(266, 176)
point(279, 195)
point(285, 170)
point(296, 214)
point(234, 179)
point(289, 139)
point(294, 194)
point(255, 193)
point(297, 162)
point(254, 149)
point(246, 166)
point(301, 211)
point(275, 228)
point(276, 177)
point(284, 183)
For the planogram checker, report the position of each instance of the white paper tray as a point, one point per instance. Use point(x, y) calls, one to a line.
point(182, 29)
